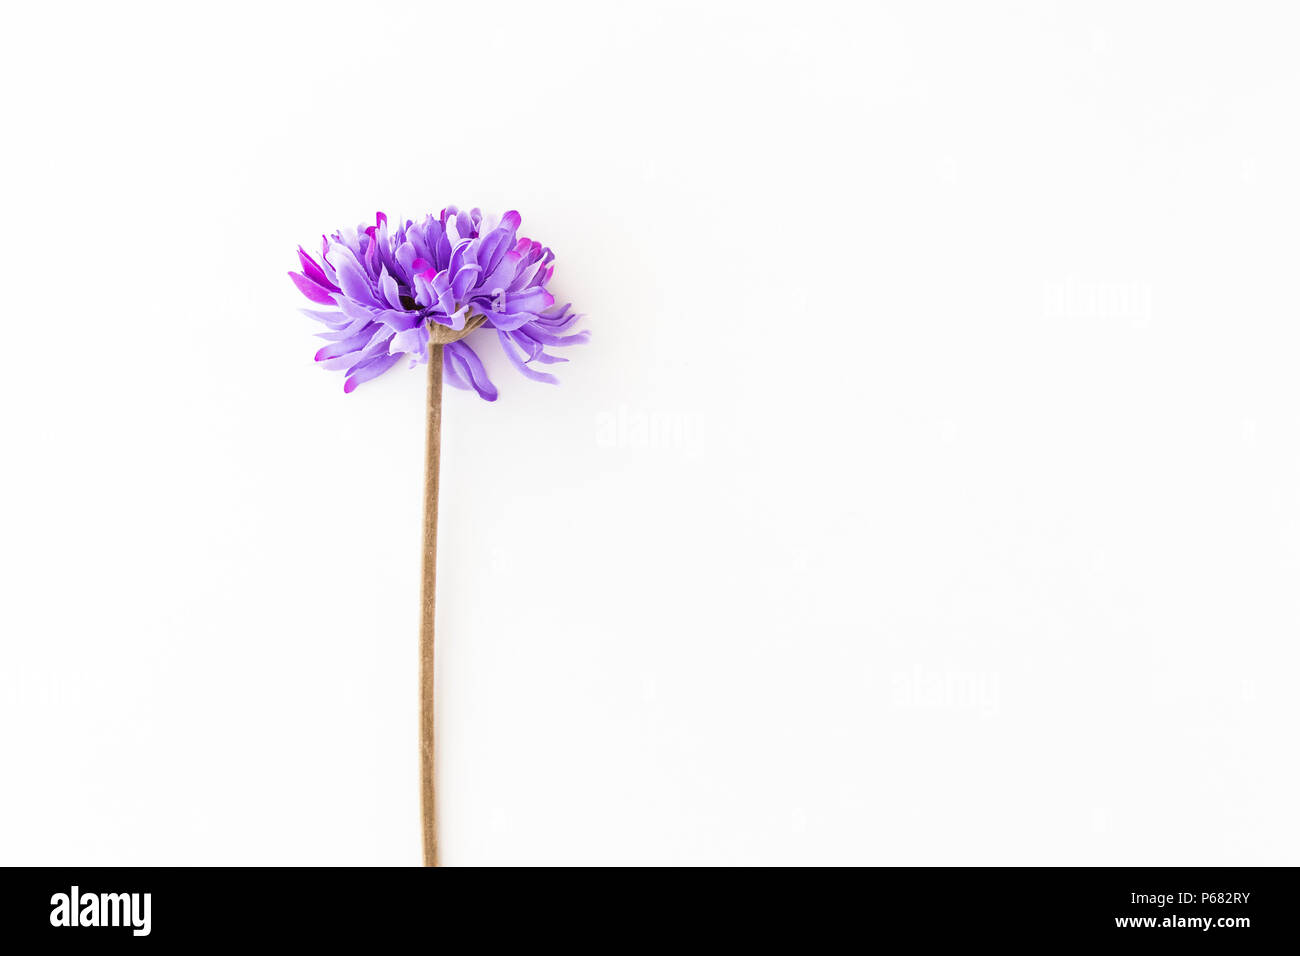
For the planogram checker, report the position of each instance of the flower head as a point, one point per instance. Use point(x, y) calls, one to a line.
point(390, 294)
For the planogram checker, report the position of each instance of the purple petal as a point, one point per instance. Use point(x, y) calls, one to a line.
point(355, 310)
point(546, 338)
point(465, 226)
point(351, 344)
point(349, 330)
point(356, 284)
point(414, 340)
point(455, 321)
point(525, 278)
point(405, 256)
point(471, 368)
point(463, 280)
point(388, 286)
point(449, 373)
point(443, 289)
point(313, 291)
point(459, 255)
point(503, 274)
point(365, 371)
point(372, 252)
point(441, 247)
point(508, 347)
point(493, 246)
point(335, 320)
point(312, 270)
point(399, 321)
point(340, 363)
point(509, 321)
point(530, 300)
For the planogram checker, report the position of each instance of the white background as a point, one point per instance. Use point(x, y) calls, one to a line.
point(926, 495)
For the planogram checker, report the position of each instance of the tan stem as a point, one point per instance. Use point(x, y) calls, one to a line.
point(428, 580)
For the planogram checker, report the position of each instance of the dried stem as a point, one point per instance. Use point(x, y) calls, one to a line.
point(428, 580)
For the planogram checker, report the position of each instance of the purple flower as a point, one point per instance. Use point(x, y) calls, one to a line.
point(390, 294)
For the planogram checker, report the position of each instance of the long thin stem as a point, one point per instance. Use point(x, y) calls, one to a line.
point(428, 581)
